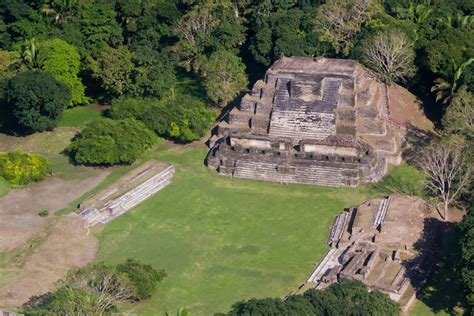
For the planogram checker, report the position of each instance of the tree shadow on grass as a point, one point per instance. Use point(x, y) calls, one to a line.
point(437, 284)
point(402, 179)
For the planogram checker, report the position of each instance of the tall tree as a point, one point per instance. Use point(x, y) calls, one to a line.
point(459, 116)
point(113, 69)
point(224, 76)
point(37, 100)
point(21, 22)
point(447, 170)
point(209, 26)
point(97, 289)
point(338, 21)
point(153, 72)
point(63, 62)
point(390, 54)
point(97, 26)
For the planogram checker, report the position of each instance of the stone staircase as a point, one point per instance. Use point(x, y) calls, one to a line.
point(295, 118)
point(315, 173)
point(300, 125)
point(128, 200)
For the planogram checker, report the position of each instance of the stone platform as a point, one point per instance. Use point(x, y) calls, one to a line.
point(126, 193)
point(313, 121)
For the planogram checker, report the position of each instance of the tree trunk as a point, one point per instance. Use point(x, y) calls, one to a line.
point(445, 210)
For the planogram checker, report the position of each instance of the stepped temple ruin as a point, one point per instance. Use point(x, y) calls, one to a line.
point(130, 190)
point(315, 121)
point(388, 244)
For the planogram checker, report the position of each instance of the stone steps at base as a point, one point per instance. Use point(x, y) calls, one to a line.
point(277, 131)
point(321, 175)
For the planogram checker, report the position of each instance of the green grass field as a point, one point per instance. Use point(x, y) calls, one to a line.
point(219, 239)
point(80, 115)
point(222, 240)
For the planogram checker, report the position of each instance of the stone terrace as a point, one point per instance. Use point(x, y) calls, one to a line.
point(313, 121)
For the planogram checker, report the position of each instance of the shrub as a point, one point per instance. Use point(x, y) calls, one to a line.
point(345, 298)
point(108, 142)
point(143, 276)
point(36, 101)
point(20, 168)
point(183, 118)
point(97, 289)
point(44, 213)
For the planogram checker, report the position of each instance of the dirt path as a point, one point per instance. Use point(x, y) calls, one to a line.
point(20, 207)
point(35, 267)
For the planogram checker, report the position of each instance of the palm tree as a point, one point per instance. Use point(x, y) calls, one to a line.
point(30, 55)
point(458, 21)
point(419, 13)
point(444, 89)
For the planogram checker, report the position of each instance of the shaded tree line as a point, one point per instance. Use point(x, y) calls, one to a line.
point(345, 298)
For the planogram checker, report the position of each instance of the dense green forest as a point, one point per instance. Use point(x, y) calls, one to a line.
point(119, 49)
point(168, 67)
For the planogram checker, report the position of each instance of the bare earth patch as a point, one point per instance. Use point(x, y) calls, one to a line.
point(39, 264)
point(404, 107)
point(20, 207)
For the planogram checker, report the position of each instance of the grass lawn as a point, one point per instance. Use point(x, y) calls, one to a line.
point(80, 115)
point(221, 240)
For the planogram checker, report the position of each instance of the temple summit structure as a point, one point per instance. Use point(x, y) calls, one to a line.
point(315, 121)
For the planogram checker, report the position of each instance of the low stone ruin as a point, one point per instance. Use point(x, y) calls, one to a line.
point(129, 191)
point(311, 120)
point(388, 244)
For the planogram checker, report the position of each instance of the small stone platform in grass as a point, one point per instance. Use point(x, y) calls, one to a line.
point(129, 191)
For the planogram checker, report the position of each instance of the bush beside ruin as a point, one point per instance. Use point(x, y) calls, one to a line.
point(20, 168)
point(108, 142)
